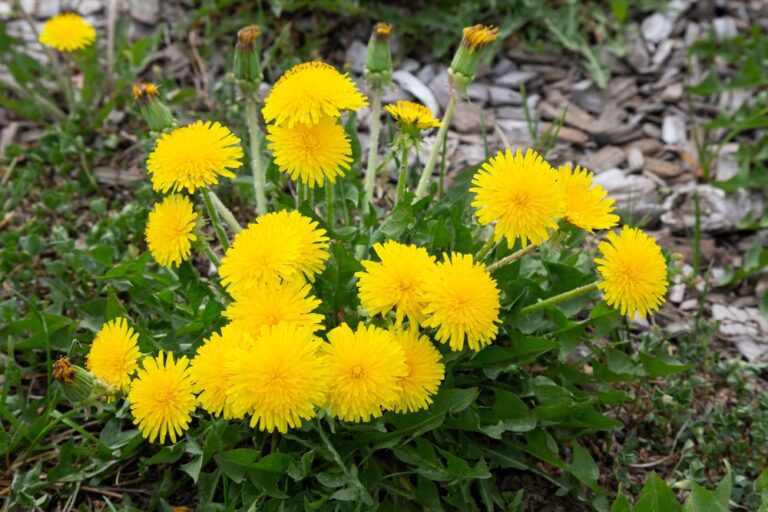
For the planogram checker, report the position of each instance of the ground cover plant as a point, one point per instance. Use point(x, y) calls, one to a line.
point(270, 324)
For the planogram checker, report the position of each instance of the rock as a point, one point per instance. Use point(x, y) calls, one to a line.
point(502, 66)
point(427, 73)
point(567, 134)
point(662, 168)
point(355, 56)
point(478, 93)
point(657, 27)
point(727, 166)
point(673, 130)
point(510, 113)
point(90, 7)
point(504, 96)
point(408, 82)
point(515, 78)
point(410, 65)
point(605, 158)
point(719, 213)
point(469, 118)
point(662, 52)
point(516, 131)
point(637, 55)
point(651, 130)
point(647, 146)
point(676, 293)
point(47, 8)
point(5, 10)
point(725, 28)
point(673, 92)
point(145, 11)
point(747, 328)
point(635, 159)
point(635, 194)
point(440, 87)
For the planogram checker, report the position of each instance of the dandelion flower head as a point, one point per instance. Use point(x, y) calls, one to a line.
point(170, 230)
point(114, 354)
point(587, 204)
point(425, 371)
point(413, 115)
point(67, 32)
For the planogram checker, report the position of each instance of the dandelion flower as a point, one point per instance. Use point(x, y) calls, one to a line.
point(366, 366)
point(586, 204)
point(194, 157)
point(425, 371)
point(311, 153)
point(278, 245)
point(162, 398)
point(308, 92)
point(280, 380)
point(478, 36)
point(521, 194)
point(170, 230)
point(270, 303)
point(67, 32)
point(634, 272)
point(412, 115)
point(114, 354)
point(396, 281)
point(462, 303)
point(209, 373)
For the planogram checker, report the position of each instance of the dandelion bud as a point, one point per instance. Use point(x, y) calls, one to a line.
point(156, 114)
point(464, 64)
point(378, 60)
point(76, 382)
point(247, 65)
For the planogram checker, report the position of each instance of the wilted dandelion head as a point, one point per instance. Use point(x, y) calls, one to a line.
point(67, 32)
point(162, 398)
point(425, 371)
point(633, 270)
point(586, 204)
point(365, 368)
point(395, 281)
point(462, 303)
point(478, 36)
point(311, 153)
point(194, 156)
point(114, 354)
point(521, 194)
point(170, 230)
point(307, 92)
point(279, 245)
point(381, 30)
point(412, 115)
point(143, 91)
point(280, 380)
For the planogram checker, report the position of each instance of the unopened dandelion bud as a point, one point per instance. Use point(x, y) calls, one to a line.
point(464, 64)
point(247, 64)
point(77, 384)
point(378, 60)
point(156, 114)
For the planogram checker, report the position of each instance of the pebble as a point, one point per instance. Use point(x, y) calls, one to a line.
point(515, 78)
point(657, 26)
point(504, 96)
point(145, 11)
point(408, 82)
point(605, 158)
point(355, 56)
point(47, 8)
point(440, 87)
point(635, 159)
point(724, 27)
point(673, 92)
point(673, 130)
point(662, 168)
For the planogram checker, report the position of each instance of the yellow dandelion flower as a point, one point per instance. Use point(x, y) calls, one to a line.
point(521, 194)
point(194, 156)
point(280, 380)
point(382, 30)
point(114, 354)
point(586, 203)
point(307, 92)
point(413, 115)
point(170, 230)
point(270, 303)
point(162, 398)
point(278, 245)
point(67, 32)
point(634, 272)
point(396, 281)
point(311, 153)
point(208, 369)
point(145, 91)
point(366, 366)
point(478, 36)
point(425, 371)
point(462, 302)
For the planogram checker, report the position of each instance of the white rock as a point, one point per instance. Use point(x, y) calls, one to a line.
point(145, 11)
point(635, 159)
point(89, 7)
point(630, 191)
point(676, 293)
point(408, 82)
point(745, 327)
point(657, 27)
point(719, 212)
point(478, 93)
point(673, 130)
point(47, 8)
point(663, 52)
point(504, 96)
point(515, 78)
point(727, 166)
point(355, 56)
point(725, 28)
point(5, 10)
point(440, 87)
point(427, 73)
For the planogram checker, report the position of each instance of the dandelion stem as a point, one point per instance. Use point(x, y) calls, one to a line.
point(571, 294)
point(402, 179)
point(337, 458)
point(485, 249)
point(373, 150)
point(329, 199)
point(225, 213)
point(426, 174)
point(259, 174)
point(208, 250)
point(503, 262)
point(215, 220)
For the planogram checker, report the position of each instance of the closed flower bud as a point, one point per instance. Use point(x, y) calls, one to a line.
point(378, 60)
point(155, 113)
point(247, 64)
point(76, 383)
point(464, 64)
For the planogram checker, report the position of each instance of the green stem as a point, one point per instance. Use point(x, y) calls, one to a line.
point(373, 150)
point(215, 220)
point(402, 179)
point(571, 294)
point(26, 93)
point(485, 249)
point(329, 200)
point(426, 174)
point(208, 250)
point(226, 213)
point(259, 173)
point(503, 262)
point(338, 460)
